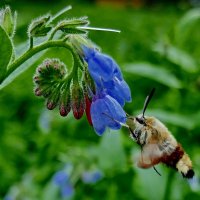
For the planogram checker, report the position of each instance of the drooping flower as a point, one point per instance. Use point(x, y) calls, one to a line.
point(60, 178)
point(67, 190)
point(119, 90)
point(107, 75)
point(101, 67)
point(112, 91)
point(106, 112)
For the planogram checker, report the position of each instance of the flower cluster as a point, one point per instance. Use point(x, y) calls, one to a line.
point(52, 82)
point(101, 93)
point(62, 180)
point(65, 181)
point(111, 91)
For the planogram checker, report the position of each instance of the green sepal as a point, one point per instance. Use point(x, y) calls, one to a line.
point(8, 21)
point(71, 23)
point(73, 31)
point(39, 27)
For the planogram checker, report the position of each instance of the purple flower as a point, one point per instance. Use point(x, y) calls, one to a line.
point(67, 190)
point(60, 178)
point(92, 176)
point(119, 90)
point(9, 197)
point(111, 91)
point(101, 67)
point(106, 112)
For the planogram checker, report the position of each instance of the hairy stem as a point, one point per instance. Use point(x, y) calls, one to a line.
point(31, 42)
point(31, 52)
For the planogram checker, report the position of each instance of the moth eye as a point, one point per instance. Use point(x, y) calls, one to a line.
point(140, 120)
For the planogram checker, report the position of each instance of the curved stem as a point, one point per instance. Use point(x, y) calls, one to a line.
point(53, 33)
point(168, 187)
point(31, 42)
point(31, 52)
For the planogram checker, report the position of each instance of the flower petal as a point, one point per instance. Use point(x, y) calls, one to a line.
point(67, 190)
point(124, 88)
point(117, 71)
point(97, 107)
point(60, 177)
point(119, 90)
point(101, 66)
point(115, 109)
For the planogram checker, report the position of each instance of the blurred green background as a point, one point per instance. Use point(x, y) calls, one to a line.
point(158, 47)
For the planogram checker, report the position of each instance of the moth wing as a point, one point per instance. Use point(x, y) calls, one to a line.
point(150, 155)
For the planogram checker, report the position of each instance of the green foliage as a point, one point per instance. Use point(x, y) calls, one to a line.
point(19, 50)
point(156, 73)
point(5, 52)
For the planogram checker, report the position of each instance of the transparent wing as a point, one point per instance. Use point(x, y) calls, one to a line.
point(150, 155)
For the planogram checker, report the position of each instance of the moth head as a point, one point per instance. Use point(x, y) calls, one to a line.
point(141, 119)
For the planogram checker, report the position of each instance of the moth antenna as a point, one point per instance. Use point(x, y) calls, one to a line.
point(156, 171)
point(147, 100)
point(122, 124)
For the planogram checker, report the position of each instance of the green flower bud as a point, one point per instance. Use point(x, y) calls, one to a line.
point(51, 70)
point(49, 75)
point(65, 101)
point(8, 21)
point(39, 27)
point(78, 101)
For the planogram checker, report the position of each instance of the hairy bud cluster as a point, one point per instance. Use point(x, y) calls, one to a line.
point(52, 82)
point(49, 81)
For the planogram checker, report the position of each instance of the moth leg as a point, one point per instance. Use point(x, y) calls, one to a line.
point(156, 171)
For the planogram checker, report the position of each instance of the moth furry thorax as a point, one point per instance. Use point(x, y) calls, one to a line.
point(158, 145)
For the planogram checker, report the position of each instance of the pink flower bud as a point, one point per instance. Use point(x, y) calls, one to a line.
point(38, 92)
point(51, 105)
point(65, 100)
point(64, 109)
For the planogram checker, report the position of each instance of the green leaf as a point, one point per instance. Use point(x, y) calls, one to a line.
point(111, 153)
point(186, 25)
point(154, 72)
point(5, 52)
point(60, 14)
point(19, 51)
point(50, 191)
point(177, 56)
